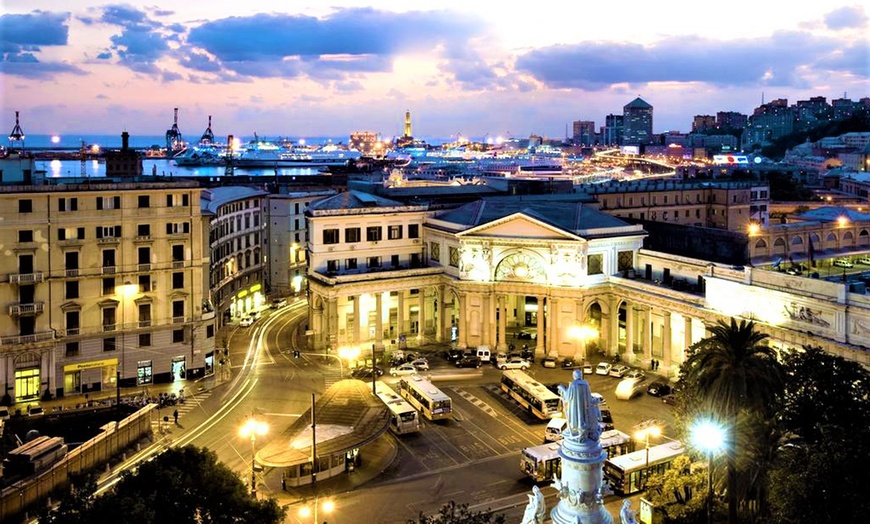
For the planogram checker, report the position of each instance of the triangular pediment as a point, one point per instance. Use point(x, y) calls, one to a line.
point(519, 225)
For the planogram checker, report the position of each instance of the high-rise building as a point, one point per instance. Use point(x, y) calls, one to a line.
point(637, 123)
point(584, 132)
point(611, 133)
point(703, 123)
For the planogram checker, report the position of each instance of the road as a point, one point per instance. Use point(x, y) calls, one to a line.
point(472, 459)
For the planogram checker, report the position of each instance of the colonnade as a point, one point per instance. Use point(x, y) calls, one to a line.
point(566, 325)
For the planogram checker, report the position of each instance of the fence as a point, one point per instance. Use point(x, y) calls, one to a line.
point(19, 498)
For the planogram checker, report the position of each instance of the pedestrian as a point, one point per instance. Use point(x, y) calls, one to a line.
point(175, 416)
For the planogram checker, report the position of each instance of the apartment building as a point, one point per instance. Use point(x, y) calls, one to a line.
point(106, 284)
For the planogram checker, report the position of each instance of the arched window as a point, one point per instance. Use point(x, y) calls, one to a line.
point(761, 244)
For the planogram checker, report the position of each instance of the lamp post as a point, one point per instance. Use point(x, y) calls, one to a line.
point(251, 428)
point(644, 434)
point(307, 511)
point(708, 436)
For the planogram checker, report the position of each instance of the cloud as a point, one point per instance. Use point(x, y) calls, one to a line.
point(846, 17)
point(142, 40)
point(22, 37)
point(776, 60)
point(349, 41)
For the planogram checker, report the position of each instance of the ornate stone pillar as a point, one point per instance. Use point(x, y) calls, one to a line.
point(502, 323)
point(462, 338)
point(421, 317)
point(357, 321)
point(540, 327)
point(666, 339)
point(629, 330)
point(647, 334)
point(613, 328)
point(439, 315)
point(400, 314)
point(554, 336)
point(331, 320)
point(687, 335)
point(379, 318)
point(492, 319)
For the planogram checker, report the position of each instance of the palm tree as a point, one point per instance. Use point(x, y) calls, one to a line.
point(734, 371)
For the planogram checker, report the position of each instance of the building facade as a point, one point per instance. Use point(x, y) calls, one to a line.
point(637, 117)
point(106, 284)
point(574, 276)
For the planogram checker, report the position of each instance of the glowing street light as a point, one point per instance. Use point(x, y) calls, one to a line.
point(326, 506)
point(708, 436)
point(583, 333)
point(754, 229)
point(251, 428)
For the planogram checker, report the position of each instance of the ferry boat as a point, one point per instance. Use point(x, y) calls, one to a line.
point(260, 155)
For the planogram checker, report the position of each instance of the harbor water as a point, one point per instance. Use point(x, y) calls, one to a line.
point(93, 168)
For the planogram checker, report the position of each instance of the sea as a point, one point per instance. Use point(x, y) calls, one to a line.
point(153, 166)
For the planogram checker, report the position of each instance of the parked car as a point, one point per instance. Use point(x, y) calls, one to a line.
point(527, 334)
point(670, 399)
point(603, 368)
point(527, 353)
point(402, 370)
point(636, 374)
point(568, 363)
point(619, 371)
point(549, 362)
point(514, 363)
point(864, 260)
point(366, 372)
point(4, 413)
point(421, 364)
point(35, 411)
point(453, 354)
point(588, 369)
point(246, 321)
point(843, 262)
point(659, 388)
point(628, 388)
point(468, 361)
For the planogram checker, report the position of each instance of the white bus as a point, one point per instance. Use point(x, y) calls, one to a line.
point(627, 474)
point(425, 397)
point(531, 394)
point(403, 417)
point(543, 462)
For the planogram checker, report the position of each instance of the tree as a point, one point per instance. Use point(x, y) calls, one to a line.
point(732, 371)
point(450, 513)
point(826, 411)
point(678, 492)
point(182, 485)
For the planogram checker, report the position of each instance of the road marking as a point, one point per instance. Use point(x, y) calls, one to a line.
point(486, 408)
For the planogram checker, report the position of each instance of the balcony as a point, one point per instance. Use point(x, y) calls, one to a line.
point(27, 339)
point(179, 320)
point(109, 270)
point(26, 310)
point(144, 267)
point(176, 264)
point(70, 332)
point(27, 278)
point(109, 240)
point(71, 272)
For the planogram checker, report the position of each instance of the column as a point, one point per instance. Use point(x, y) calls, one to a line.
point(554, 336)
point(666, 339)
point(492, 304)
point(687, 334)
point(439, 315)
point(647, 334)
point(462, 340)
point(613, 328)
point(400, 314)
point(379, 318)
point(421, 317)
point(332, 321)
point(502, 323)
point(582, 343)
point(356, 321)
point(540, 326)
point(629, 330)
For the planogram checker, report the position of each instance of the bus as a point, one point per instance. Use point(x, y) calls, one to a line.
point(425, 397)
point(531, 394)
point(403, 417)
point(627, 474)
point(543, 462)
point(34, 456)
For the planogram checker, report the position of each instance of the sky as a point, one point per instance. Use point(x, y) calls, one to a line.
point(476, 69)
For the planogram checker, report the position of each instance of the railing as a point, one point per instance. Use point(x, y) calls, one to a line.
point(27, 339)
point(35, 308)
point(144, 267)
point(71, 272)
point(177, 264)
point(109, 270)
point(27, 278)
point(109, 240)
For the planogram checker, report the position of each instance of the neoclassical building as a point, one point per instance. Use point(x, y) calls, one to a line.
point(554, 265)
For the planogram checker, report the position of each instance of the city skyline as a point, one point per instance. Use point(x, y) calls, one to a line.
point(469, 69)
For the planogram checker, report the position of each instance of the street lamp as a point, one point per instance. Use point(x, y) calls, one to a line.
point(584, 333)
point(708, 436)
point(253, 427)
point(327, 506)
point(644, 434)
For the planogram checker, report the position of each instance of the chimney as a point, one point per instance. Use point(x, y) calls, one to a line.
point(125, 141)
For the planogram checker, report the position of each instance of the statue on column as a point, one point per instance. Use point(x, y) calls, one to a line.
point(580, 408)
point(536, 509)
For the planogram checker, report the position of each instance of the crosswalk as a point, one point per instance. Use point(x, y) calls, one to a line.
point(190, 403)
point(483, 406)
